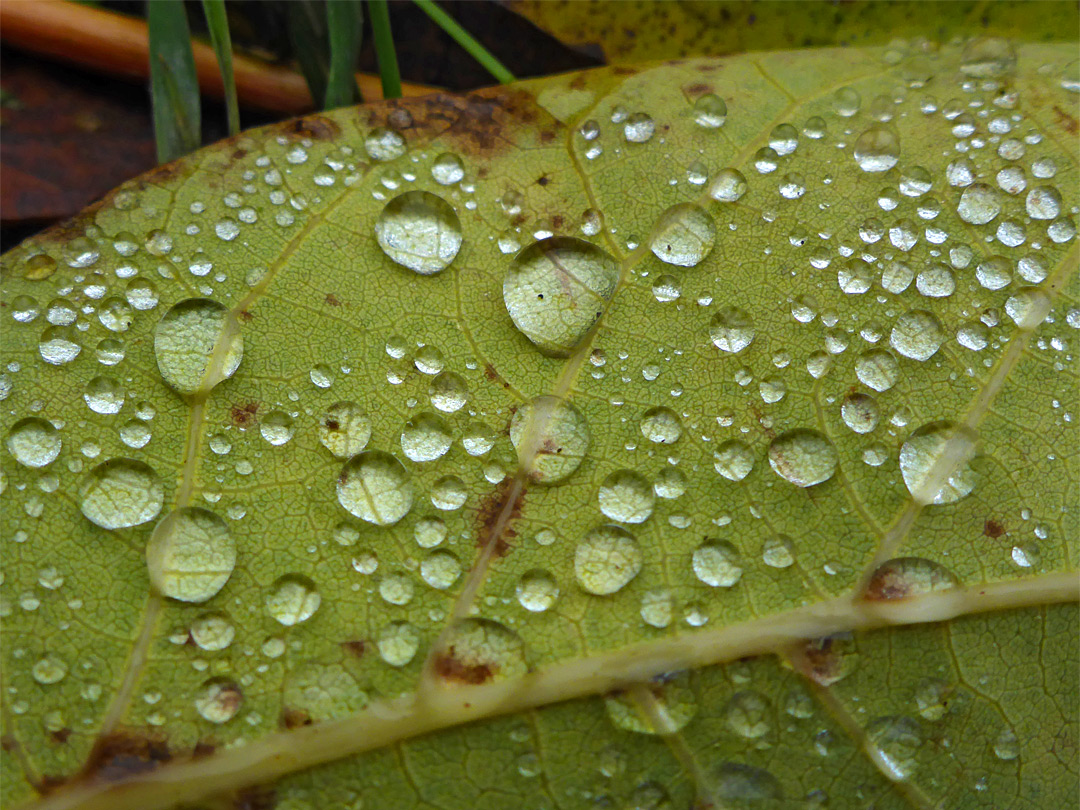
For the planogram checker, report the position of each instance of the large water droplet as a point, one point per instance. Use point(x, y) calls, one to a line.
point(1028, 308)
point(626, 497)
point(344, 429)
point(607, 560)
point(683, 235)
point(934, 461)
point(440, 570)
point(397, 643)
point(121, 492)
point(537, 590)
point(860, 412)
point(425, 437)
point(661, 425)
point(675, 702)
point(374, 486)
point(276, 427)
point(978, 204)
point(732, 329)
point(212, 632)
point(729, 185)
point(917, 335)
point(877, 149)
point(803, 457)
point(34, 442)
point(710, 111)
point(716, 563)
point(293, 598)
point(420, 231)
point(733, 460)
point(749, 714)
point(197, 344)
point(906, 577)
point(877, 369)
point(898, 740)
point(551, 438)
point(448, 392)
point(556, 289)
point(190, 555)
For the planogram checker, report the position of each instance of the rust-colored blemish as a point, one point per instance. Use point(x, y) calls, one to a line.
point(399, 118)
point(819, 660)
point(624, 70)
point(332, 300)
point(315, 127)
point(122, 754)
point(332, 424)
point(699, 89)
point(993, 529)
point(557, 222)
point(294, 718)
point(543, 180)
point(256, 798)
point(1067, 122)
point(548, 135)
point(60, 736)
point(451, 669)
point(487, 519)
point(886, 584)
point(245, 316)
point(354, 648)
point(244, 415)
point(203, 748)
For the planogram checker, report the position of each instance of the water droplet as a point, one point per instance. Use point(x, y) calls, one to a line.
point(478, 439)
point(537, 590)
point(607, 560)
point(276, 427)
point(748, 714)
point(440, 570)
point(917, 335)
point(551, 438)
point(905, 577)
point(860, 412)
point(212, 632)
point(375, 487)
point(1028, 308)
point(625, 496)
point(716, 563)
point(978, 204)
point(729, 185)
point(898, 740)
point(34, 442)
point(197, 344)
point(448, 392)
point(683, 235)
point(994, 273)
point(877, 149)
point(293, 598)
point(661, 425)
point(732, 329)
point(449, 493)
point(384, 144)
point(425, 437)
point(398, 643)
point(676, 703)
point(478, 650)
point(115, 314)
point(556, 289)
point(846, 101)
point(1043, 202)
point(121, 492)
point(934, 461)
point(733, 460)
point(420, 231)
point(670, 483)
point(988, 57)
point(778, 552)
point(59, 345)
point(447, 169)
point(344, 429)
point(710, 111)
point(855, 276)
point(803, 457)
point(49, 670)
point(639, 128)
point(1007, 746)
point(666, 289)
point(190, 555)
point(219, 700)
point(877, 369)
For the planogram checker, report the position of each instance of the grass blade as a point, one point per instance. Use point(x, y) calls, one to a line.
point(222, 42)
point(174, 86)
point(307, 32)
point(384, 48)
point(466, 41)
point(345, 23)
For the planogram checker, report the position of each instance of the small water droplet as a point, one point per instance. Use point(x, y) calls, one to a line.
point(639, 128)
point(212, 632)
point(384, 144)
point(749, 714)
point(917, 335)
point(729, 185)
point(344, 429)
point(293, 599)
point(440, 570)
point(276, 427)
point(661, 425)
point(447, 169)
point(860, 412)
point(398, 643)
point(898, 740)
point(710, 111)
point(717, 564)
point(978, 204)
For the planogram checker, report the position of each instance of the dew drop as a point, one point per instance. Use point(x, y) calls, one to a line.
point(778, 552)
point(661, 425)
point(732, 329)
point(212, 632)
point(877, 149)
point(717, 564)
point(276, 427)
point(449, 493)
point(934, 461)
point(905, 577)
point(33, 442)
point(419, 230)
point(556, 289)
point(384, 144)
point(49, 670)
point(710, 111)
point(59, 345)
point(447, 169)
point(440, 570)
point(293, 599)
point(733, 460)
point(877, 369)
point(448, 392)
point(683, 235)
point(190, 555)
point(1028, 308)
point(846, 101)
point(537, 590)
point(398, 643)
point(607, 560)
point(897, 740)
point(748, 714)
point(219, 700)
point(119, 493)
point(803, 457)
point(1007, 746)
point(197, 344)
point(639, 128)
point(551, 438)
point(676, 702)
point(375, 487)
point(917, 335)
point(729, 185)
point(425, 437)
point(978, 204)
point(860, 412)
point(625, 496)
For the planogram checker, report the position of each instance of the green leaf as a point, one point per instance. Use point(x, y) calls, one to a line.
point(345, 21)
point(174, 86)
point(697, 435)
point(218, 24)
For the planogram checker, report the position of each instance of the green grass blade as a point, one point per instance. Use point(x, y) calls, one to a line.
point(345, 22)
point(384, 48)
point(222, 42)
point(466, 41)
point(307, 33)
point(174, 87)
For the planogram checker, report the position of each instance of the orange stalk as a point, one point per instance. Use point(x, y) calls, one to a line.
point(120, 46)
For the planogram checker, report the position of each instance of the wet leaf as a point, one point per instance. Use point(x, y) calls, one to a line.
point(619, 439)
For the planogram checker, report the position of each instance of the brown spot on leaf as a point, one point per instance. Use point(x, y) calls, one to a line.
point(699, 89)
point(315, 127)
point(993, 529)
point(122, 754)
point(400, 118)
point(624, 70)
point(452, 669)
point(245, 316)
point(332, 424)
point(825, 660)
point(294, 718)
point(203, 748)
point(332, 300)
point(244, 415)
point(491, 527)
point(256, 798)
point(60, 736)
point(1066, 121)
point(543, 180)
point(356, 648)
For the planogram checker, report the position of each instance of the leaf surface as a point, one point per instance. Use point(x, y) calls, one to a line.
point(575, 442)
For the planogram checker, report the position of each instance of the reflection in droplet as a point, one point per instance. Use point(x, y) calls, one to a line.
point(683, 235)
point(197, 344)
point(121, 492)
point(537, 590)
point(897, 740)
point(190, 555)
point(661, 425)
point(551, 438)
point(374, 486)
point(420, 231)
point(607, 560)
point(934, 461)
point(219, 700)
